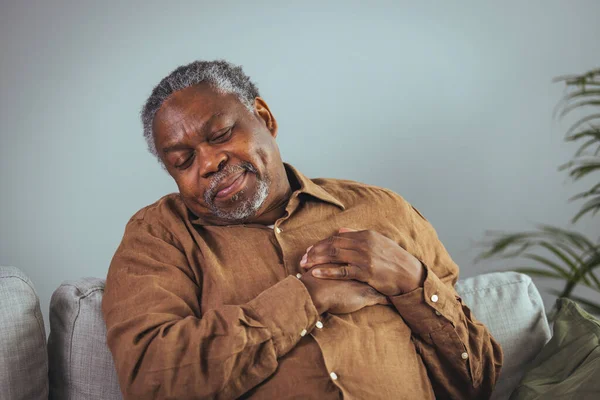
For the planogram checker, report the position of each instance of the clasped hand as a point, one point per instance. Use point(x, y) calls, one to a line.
point(365, 256)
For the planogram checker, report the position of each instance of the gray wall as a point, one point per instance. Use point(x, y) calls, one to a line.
point(448, 103)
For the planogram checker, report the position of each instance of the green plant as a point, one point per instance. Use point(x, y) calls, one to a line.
point(560, 253)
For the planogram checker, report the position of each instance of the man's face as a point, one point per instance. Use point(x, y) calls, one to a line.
point(223, 157)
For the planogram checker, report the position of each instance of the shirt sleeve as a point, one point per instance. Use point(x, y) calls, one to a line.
point(462, 358)
point(164, 347)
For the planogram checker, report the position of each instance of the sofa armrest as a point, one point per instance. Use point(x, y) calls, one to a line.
point(509, 304)
point(23, 357)
point(81, 365)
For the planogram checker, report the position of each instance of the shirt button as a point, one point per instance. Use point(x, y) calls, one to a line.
point(298, 275)
point(434, 298)
point(319, 325)
point(437, 312)
point(464, 356)
point(277, 230)
point(303, 333)
point(333, 376)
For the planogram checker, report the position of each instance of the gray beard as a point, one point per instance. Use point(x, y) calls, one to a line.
point(246, 208)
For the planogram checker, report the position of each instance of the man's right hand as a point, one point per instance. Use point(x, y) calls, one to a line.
point(340, 296)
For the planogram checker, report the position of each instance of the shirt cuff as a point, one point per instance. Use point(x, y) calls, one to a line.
point(287, 310)
point(429, 308)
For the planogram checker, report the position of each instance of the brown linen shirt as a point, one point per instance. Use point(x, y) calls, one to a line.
point(195, 311)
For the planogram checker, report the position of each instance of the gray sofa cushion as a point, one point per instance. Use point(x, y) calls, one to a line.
point(23, 358)
point(82, 367)
point(508, 303)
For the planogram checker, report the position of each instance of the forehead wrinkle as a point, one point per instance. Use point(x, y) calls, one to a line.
point(187, 127)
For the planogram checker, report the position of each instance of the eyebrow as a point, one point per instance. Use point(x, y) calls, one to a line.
point(180, 146)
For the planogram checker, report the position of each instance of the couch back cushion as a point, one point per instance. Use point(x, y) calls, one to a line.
point(23, 358)
point(81, 366)
point(508, 303)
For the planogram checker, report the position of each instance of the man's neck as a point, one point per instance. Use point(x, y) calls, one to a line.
point(277, 209)
point(274, 212)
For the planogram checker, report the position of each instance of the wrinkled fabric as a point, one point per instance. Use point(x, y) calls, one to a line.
point(195, 311)
point(568, 367)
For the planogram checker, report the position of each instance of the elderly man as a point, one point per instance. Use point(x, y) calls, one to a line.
point(255, 281)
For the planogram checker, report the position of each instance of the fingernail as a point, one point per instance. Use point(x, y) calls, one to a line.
point(304, 258)
point(307, 250)
point(317, 272)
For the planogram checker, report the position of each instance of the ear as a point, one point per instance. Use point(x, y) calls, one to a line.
point(261, 109)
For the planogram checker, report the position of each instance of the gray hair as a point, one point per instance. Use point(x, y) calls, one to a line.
point(221, 75)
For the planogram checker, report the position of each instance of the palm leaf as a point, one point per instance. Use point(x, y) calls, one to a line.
point(594, 190)
point(578, 104)
point(583, 148)
point(595, 279)
point(593, 132)
point(581, 167)
point(592, 206)
point(578, 80)
point(582, 121)
point(580, 93)
point(499, 246)
point(556, 250)
point(509, 245)
point(542, 260)
point(577, 239)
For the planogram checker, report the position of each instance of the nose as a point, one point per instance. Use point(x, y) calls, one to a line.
point(211, 161)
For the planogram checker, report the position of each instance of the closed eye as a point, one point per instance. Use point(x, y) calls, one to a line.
point(223, 136)
point(188, 161)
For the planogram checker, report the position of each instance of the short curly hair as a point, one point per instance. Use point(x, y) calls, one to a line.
point(223, 76)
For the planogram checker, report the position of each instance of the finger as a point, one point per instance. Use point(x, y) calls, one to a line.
point(329, 246)
point(343, 272)
point(332, 255)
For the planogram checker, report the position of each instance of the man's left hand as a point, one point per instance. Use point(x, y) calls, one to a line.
point(366, 256)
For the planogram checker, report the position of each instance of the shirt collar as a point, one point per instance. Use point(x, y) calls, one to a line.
point(309, 187)
point(302, 185)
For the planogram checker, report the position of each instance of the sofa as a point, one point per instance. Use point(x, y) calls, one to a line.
point(75, 363)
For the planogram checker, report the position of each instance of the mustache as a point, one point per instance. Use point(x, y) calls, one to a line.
point(226, 172)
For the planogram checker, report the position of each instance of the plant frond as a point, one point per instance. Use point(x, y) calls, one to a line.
point(593, 206)
point(571, 107)
point(583, 147)
point(575, 238)
point(581, 167)
point(574, 266)
point(594, 190)
point(542, 260)
point(582, 121)
point(593, 132)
